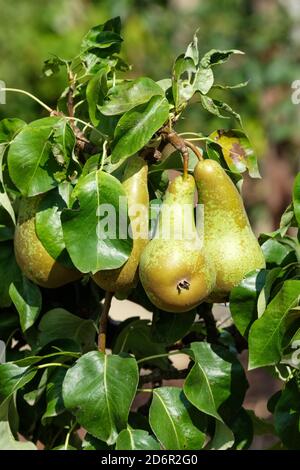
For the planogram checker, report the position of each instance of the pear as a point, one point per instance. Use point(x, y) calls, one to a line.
point(174, 270)
point(31, 256)
point(228, 239)
point(123, 279)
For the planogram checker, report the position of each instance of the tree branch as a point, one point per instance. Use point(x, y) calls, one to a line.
point(103, 321)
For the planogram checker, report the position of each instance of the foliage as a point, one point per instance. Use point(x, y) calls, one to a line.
point(75, 158)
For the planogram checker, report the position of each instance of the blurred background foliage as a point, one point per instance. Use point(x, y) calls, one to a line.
point(155, 32)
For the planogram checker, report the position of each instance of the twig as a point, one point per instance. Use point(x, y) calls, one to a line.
point(103, 321)
point(179, 144)
point(157, 375)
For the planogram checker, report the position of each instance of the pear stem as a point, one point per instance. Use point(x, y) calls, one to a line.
point(195, 149)
point(103, 321)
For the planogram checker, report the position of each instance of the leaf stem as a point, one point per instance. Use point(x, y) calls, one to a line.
point(17, 90)
point(52, 364)
point(72, 427)
point(157, 356)
point(103, 321)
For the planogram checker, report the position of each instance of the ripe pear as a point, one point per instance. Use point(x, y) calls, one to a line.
point(174, 270)
point(228, 238)
point(31, 256)
point(123, 279)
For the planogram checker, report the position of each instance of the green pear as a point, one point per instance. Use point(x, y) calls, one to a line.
point(31, 256)
point(174, 269)
point(228, 238)
point(123, 279)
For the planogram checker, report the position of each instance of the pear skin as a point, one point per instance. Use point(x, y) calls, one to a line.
point(32, 258)
point(228, 238)
point(123, 279)
point(174, 270)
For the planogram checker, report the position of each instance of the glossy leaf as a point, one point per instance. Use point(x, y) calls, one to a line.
point(54, 399)
point(99, 390)
point(275, 252)
point(122, 98)
point(170, 327)
point(267, 333)
point(27, 299)
point(12, 378)
point(40, 154)
point(243, 300)
point(216, 382)
point(136, 439)
point(137, 126)
point(287, 416)
point(61, 324)
point(49, 228)
point(170, 418)
point(95, 92)
point(223, 437)
point(135, 338)
point(92, 232)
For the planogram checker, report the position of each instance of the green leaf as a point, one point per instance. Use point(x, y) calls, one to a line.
point(61, 324)
point(267, 333)
point(264, 295)
point(13, 378)
point(91, 246)
point(91, 443)
point(9, 272)
point(122, 98)
point(296, 198)
point(137, 126)
point(48, 224)
point(8, 442)
point(243, 300)
point(214, 57)
point(223, 438)
point(99, 391)
point(9, 128)
point(275, 252)
point(237, 151)
point(95, 92)
point(39, 156)
point(170, 327)
point(104, 36)
point(54, 399)
point(135, 337)
point(287, 416)
point(182, 88)
point(242, 428)
point(192, 50)
point(27, 299)
point(203, 81)
point(217, 382)
point(136, 439)
point(170, 418)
